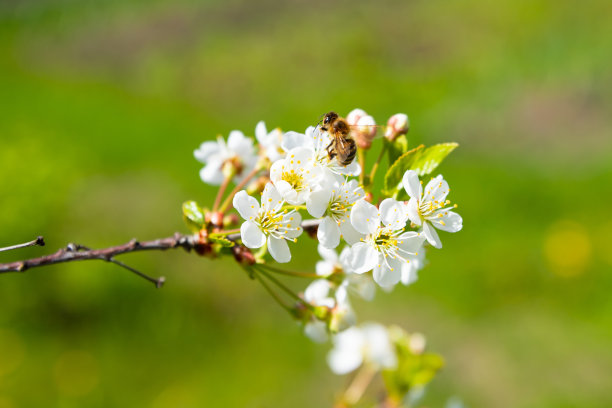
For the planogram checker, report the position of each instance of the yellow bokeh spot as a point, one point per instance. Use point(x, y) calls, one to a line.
point(11, 351)
point(567, 248)
point(75, 373)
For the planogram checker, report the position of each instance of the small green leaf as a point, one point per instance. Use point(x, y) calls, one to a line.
point(396, 171)
point(431, 158)
point(224, 242)
point(193, 215)
point(423, 161)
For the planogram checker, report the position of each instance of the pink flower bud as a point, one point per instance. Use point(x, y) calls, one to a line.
point(364, 131)
point(353, 117)
point(397, 125)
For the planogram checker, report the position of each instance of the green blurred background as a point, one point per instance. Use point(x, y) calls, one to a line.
point(103, 102)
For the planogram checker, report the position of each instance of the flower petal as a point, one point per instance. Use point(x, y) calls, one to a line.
point(261, 133)
point(327, 254)
point(206, 150)
point(271, 198)
point(436, 190)
point(318, 201)
point(349, 233)
point(412, 185)
point(431, 235)
point(363, 257)
point(252, 236)
point(211, 173)
point(388, 275)
point(279, 249)
point(365, 217)
point(316, 330)
point(246, 205)
point(317, 292)
point(449, 221)
point(324, 268)
point(393, 213)
point(412, 210)
point(328, 233)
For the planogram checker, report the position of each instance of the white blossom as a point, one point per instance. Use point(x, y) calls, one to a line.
point(238, 154)
point(387, 248)
point(270, 142)
point(322, 292)
point(352, 282)
point(333, 203)
point(268, 223)
point(295, 176)
point(369, 344)
point(430, 209)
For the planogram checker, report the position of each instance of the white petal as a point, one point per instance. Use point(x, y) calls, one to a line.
point(246, 205)
point(292, 140)
point(236, 140)
point(393, 213)
point(388, 275)
point(409, 273)
point(252, 236)
point(436, 190)
point(328, 233)
point(365, 217)
point(412, 209)
point(206, 150)
point(317, 331)
point(271, 198)
point(261, 133)
point(411, 243)
point(279, 250)
point(363, 257)
point(318, 202)
point(211, 173)
point(346, 355)
point(328, 254)
point(317, 291)
point(431, 235)
point(324, 268)
point(349, 233)
point(449, 222)
point(380, 347)
point(411, 184)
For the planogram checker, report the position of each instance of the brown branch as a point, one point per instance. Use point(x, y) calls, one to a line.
point(74, 252)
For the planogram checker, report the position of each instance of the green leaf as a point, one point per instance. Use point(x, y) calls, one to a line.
point(224, 242)
point(396, 171)
point(423, 161)
point(431, 158)
point(193, 215)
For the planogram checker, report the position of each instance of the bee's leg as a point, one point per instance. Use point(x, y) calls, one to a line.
point(330, 153)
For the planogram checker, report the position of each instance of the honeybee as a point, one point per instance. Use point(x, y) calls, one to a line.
point(342, 145)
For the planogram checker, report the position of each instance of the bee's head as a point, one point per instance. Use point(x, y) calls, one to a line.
point(329, 118)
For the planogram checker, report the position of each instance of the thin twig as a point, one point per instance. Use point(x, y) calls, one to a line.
point(74, 252)
point(230, 197)
point(40, 241)
point(292, 273)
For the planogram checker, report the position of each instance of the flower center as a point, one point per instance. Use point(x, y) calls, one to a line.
point(269, 221)
point(295, 180)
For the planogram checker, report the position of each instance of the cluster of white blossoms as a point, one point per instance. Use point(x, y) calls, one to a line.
point(380, 243)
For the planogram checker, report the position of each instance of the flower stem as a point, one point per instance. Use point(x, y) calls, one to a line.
point(238, 187)
point(272, 293)
point(291, 273)
point(361, 155)
point(222, 189)
point(284, 287)
point(360, 383)
point(375, 166)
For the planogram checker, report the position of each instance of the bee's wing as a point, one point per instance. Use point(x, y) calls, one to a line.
point(380, 129)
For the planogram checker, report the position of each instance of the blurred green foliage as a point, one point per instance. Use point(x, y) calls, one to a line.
point(103, 103)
